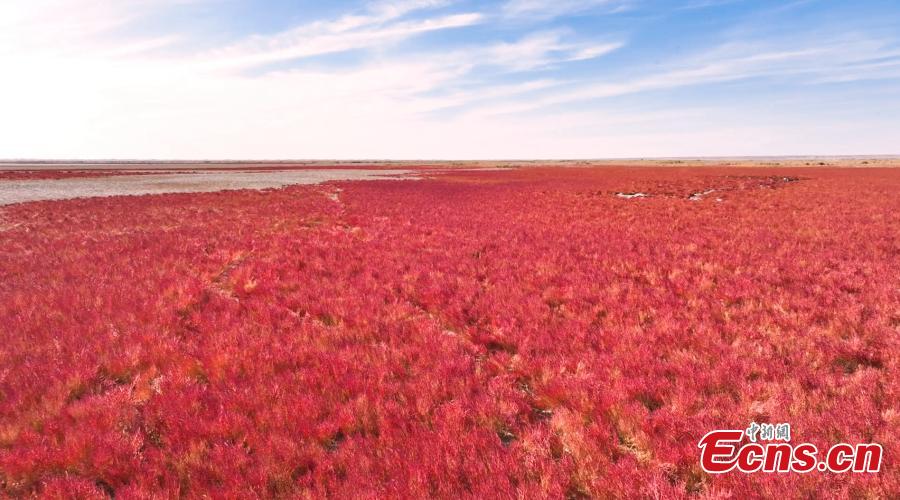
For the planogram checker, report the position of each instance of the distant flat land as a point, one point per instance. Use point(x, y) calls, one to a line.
point(744, 161)
point(25, 181)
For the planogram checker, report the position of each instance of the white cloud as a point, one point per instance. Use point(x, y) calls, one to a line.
point(324, 38)
point(381, 22)
point(543, 9)
point(387, 9)
point(541, 49)
point(810, 61)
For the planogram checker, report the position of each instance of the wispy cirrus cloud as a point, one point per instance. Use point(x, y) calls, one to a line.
point(544, 48)
point(809, 61)
point(545, 9)
point(538, 50)
point(325, 38)
point(703, 4)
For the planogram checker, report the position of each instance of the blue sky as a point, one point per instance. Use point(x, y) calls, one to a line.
point(422, 79)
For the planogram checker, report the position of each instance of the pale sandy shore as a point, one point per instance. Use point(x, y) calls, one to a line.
point(20, 191)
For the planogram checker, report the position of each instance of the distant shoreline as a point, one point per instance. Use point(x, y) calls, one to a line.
point(762, 161)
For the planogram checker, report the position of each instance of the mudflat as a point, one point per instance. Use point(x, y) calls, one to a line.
point(25, 190)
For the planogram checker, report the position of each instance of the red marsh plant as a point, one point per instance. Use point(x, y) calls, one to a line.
point(522, 333)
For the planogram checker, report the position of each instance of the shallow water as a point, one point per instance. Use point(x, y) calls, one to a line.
point(19, 191)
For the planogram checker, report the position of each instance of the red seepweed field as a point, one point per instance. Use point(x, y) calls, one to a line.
point(539, 332)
